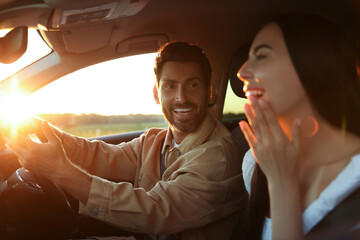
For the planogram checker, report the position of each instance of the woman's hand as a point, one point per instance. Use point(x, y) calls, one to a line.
point(276, 154)
point(278, 157)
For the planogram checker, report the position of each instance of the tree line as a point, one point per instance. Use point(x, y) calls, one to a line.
point(71, 119)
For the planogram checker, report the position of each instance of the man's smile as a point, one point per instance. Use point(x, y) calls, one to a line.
point(184, 112)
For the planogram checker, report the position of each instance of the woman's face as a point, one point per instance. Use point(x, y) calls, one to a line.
point(269, 72)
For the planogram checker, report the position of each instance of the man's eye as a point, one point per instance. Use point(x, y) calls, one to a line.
point(193, 85)
point(169, 86)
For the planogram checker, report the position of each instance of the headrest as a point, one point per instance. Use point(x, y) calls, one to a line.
point(237, 61)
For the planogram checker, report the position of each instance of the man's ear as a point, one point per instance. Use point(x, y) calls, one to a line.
point(156, 94)
point(211, 98)
point(210, 93)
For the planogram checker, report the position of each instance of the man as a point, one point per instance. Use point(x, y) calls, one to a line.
point(183, 181)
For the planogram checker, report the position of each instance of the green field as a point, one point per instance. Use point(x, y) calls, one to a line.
point(94, 130)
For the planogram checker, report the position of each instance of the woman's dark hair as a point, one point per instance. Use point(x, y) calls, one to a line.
point(325, 61)
point(183, 52)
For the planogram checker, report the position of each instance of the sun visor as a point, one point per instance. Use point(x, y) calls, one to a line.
point(141, 44)
point(63, 17)
point(74, 39)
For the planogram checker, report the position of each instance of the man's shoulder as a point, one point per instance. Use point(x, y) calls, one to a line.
point(153, 133)
point(222, 140)
point(219, 152)
point(219, 141)
point(151, 138)
point(221, 133)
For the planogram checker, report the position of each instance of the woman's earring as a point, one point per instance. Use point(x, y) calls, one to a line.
point(311, 126)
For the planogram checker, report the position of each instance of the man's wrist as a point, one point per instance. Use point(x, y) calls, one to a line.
point(76, 182)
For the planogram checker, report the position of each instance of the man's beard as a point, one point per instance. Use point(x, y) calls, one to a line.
point(184, 125)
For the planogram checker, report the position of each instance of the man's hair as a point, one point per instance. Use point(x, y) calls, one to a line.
point(182, 52)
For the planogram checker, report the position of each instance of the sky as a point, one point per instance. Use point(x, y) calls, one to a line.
point(117, 87)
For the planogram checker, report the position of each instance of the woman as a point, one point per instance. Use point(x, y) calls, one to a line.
point(304, 114)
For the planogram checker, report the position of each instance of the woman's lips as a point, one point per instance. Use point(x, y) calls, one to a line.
point(255, 92)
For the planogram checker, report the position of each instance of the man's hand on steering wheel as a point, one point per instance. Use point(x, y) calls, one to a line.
point(47, 159)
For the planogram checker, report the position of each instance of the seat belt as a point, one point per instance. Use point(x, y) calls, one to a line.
point(340, 220)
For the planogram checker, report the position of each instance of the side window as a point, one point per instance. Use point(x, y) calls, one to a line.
point(233, 106)
point(107, 98)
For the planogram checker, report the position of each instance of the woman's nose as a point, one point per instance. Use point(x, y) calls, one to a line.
point(244, 74)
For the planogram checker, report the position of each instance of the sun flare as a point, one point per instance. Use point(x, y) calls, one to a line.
point(14, 111)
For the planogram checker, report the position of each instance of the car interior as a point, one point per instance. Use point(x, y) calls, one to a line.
point(83, 33)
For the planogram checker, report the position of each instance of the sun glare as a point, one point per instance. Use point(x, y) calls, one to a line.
point(14, 111)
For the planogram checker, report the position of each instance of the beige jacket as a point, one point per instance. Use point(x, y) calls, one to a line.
point(196, 198)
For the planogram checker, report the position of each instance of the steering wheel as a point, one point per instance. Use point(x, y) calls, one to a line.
point(32, 204)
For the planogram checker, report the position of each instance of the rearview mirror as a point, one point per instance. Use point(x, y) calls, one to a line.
point(13, 45)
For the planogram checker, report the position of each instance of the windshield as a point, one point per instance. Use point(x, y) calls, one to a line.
point(106, 98)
